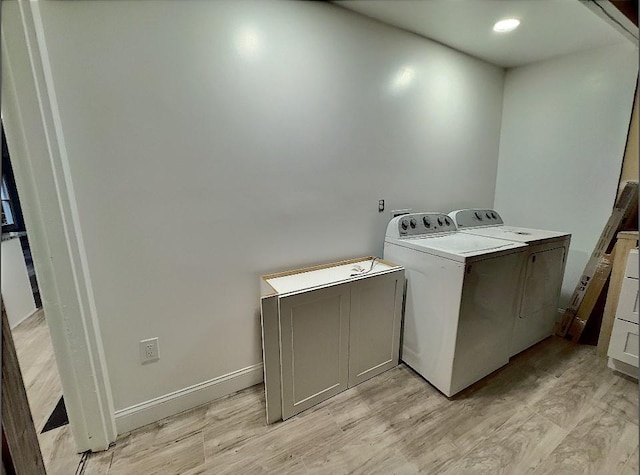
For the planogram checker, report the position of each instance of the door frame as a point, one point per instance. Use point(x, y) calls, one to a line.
point(40, 164)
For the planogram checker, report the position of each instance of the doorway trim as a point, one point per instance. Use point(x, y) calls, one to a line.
point(35, 136)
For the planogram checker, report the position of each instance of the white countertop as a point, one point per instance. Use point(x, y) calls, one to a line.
point(327, 276)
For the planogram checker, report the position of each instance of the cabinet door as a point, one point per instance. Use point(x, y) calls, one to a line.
point(539, 308)
point(374, 336)
point(624, 342)
point(628, 301)
point(314, 347)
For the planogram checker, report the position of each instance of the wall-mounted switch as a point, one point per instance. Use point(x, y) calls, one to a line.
point(149, 350)
point(380, 206)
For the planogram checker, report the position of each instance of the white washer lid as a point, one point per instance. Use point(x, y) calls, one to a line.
point(517, 234)
point(461, 247)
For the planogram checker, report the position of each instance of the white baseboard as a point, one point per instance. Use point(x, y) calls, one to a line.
point(158, 408)
point(13, 325)
point(622, 367)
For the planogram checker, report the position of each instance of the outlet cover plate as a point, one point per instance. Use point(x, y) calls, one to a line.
point(149, 350)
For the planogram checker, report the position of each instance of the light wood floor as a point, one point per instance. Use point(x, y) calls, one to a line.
point(555, 408)
point(42, 382)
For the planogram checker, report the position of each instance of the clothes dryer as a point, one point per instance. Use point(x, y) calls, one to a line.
point(543, 272)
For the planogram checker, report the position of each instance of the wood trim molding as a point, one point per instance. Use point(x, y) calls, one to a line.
point(626, 240)
point(629, 169)
point(18, 430)
point(628, 8)
point(620, 19)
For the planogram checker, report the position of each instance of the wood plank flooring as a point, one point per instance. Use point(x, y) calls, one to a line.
point(35, 354)
point(42, 382)
point(556, 408)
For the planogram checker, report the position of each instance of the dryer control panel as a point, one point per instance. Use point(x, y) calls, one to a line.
point(420, 224)
point(474, 218)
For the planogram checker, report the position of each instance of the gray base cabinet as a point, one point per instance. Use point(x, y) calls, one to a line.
point(325, 330)
point(374, 325)
point(314, 347)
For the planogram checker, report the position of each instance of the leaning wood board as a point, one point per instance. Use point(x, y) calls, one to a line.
point(624, 208)
point(626, 240)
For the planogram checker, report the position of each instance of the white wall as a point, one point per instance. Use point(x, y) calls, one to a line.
point(17, 296)
point(564, 127)
point(209, 143)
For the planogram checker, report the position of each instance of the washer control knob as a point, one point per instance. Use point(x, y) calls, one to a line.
point(427, 223)
point(413, 223)
point(440, 221)
point(448, 221)
point(493, 215)
point(478, 215)
point(404, 224)
point(488, 215)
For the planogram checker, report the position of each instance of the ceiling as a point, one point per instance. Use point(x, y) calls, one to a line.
point(548, 27)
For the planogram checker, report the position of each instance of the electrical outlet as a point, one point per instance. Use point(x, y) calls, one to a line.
point(149, 350)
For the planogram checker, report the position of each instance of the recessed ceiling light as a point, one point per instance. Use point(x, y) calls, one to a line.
point(508, 24)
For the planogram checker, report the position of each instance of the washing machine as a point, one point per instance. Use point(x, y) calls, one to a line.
point(543, 272)
point(461, 298)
